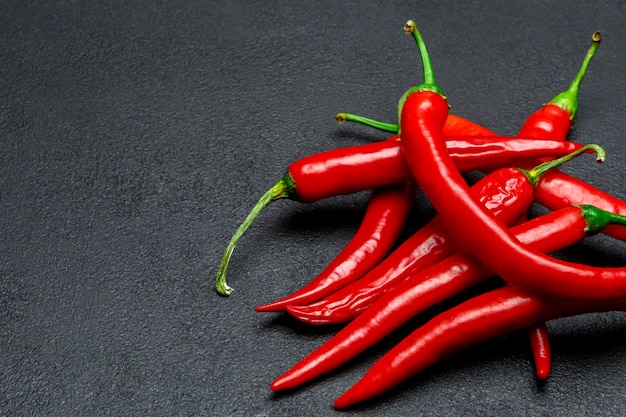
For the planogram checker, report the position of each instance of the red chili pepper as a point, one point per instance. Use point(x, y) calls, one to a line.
point(558, 189)
point(550, 232)
point(481, 318)
point(365, 167)
point(423, 116)
point(507, 192)
point(384, 220)
point(540, 124)
point(540, 347)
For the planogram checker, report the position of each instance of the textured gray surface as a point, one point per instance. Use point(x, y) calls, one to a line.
point(136, 136)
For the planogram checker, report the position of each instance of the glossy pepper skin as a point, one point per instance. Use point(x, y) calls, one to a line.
point(476, 228)
point(483, 317)
point(558, 189)
point(550, 232)
point(359, 168)
point(370, 243)
point(384, 220)
point(506, 192)
point(554, 120)
point(551, 121)
point(540, 345)
point(423, 116)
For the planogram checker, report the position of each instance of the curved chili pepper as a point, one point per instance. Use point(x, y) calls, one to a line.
point(384, 220)
point(483, 317)
point(507, 192)
point(365, 167)
point(550, 232)
point(423, 116)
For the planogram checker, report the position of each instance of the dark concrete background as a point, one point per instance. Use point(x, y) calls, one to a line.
point(136, 135)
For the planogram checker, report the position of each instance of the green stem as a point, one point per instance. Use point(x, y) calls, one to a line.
point(597, 219)
point(386, 127)
point(568, 99)
point(534, 174)
point(429, 77)
point(428, 84)
point(285, 188)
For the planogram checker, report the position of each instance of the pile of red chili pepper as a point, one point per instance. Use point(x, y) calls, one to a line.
point(480, 233)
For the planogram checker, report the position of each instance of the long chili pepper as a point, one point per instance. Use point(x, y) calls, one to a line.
point(365, 167)
point(481, 318)
point(423, 116)
point(550, 232)
point(507, 192)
